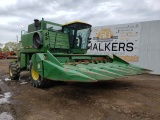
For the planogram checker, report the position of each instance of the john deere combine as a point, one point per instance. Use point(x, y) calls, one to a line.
point(57, 52)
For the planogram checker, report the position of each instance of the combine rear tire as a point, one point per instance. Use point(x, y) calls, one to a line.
point(36, 79)
point(14, 71)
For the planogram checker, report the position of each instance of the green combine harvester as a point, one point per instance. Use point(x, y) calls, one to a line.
point(51, 51)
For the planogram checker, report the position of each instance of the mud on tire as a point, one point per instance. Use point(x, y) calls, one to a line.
point(14, 70)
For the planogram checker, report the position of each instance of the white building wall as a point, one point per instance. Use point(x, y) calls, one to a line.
point(149, 45)
point(149, 50)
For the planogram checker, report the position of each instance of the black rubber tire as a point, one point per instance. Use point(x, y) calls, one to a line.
point(40, 82)
point(14, 71)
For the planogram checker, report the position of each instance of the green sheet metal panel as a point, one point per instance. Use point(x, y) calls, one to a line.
point(27, 40)
point(58, 40)
point(23, 60)
point(57, 69)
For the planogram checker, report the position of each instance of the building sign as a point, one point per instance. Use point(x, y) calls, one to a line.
point(122, 40)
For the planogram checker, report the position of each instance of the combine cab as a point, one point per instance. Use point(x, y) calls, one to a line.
point(58, 52)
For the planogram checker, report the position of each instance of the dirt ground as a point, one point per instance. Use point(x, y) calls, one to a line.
point(135, 97)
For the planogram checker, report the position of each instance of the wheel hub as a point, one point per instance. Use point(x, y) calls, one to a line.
point(35, 75)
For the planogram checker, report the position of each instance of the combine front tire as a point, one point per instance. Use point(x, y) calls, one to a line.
point(14, 70)
point(36, 79)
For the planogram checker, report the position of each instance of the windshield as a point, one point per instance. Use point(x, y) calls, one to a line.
point(82, 38)
point(53, 27)
point(78, 38)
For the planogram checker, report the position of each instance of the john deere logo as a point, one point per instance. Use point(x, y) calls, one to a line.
point(104, 34)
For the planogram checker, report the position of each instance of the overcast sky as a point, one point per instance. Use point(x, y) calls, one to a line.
point(15, 15)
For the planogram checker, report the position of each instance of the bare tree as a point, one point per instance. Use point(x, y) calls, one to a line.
point(10, 46)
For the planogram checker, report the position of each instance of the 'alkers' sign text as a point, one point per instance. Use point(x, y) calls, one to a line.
point(122, 40)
